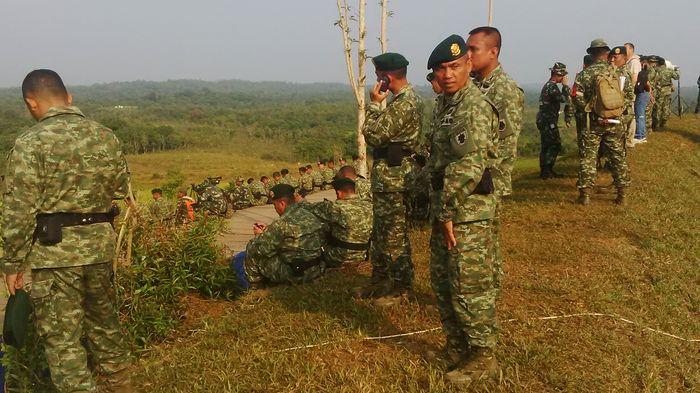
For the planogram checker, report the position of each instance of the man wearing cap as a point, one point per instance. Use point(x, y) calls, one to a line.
point(601, 126)
point(547, 120)
point(393, 134)
point(238, 194)
point(484, 45)
point(286, 251)
point(61, 178)
point(349, 221)
point(664, 91)
point(463, 203)
point(619, 61)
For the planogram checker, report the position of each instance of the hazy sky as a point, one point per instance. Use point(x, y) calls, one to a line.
point(102, 41)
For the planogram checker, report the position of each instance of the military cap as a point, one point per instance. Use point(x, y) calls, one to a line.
point(659, 60)
point(156, 191)
point(619, 50)
point(430, 77)
point(389, 61)
point(282, 191)
point(450, 49)
point(17, 311)
point(597, 43)
point(340, 182)
point(559, 69)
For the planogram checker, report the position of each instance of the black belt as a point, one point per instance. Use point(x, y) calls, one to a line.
point(300, 266)
point(393, 154)
point(485, 186)
point(333, 241)
point(48, 225)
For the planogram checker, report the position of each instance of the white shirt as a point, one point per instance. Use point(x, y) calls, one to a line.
point(634, 65)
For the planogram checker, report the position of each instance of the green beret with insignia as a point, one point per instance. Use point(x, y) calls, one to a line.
point(619, 50)
point(450, 49)
point(559, 69)
point(17, 311)
point(597, 43)
point(342, 182)
point(282, 191)
point(389, 62)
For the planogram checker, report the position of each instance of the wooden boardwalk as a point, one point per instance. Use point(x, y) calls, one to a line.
point(240, 226)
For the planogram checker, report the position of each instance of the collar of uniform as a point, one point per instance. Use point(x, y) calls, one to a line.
point(62, 110)
point(291, 208)
point(350, 196)
point(459, 94)
point(488, 81)
point(403, 90)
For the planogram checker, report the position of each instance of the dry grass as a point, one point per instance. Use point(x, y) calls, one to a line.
point(641, 262)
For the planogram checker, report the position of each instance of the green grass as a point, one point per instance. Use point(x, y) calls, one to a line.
point(640, 262)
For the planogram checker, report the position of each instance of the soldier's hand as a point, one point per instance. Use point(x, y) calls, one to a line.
point(568, 122)
point(448, 234)
point(377, 96)
point(258, 228)
point(14, 282)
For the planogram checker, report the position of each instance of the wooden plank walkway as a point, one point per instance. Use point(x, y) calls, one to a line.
point(240, 226)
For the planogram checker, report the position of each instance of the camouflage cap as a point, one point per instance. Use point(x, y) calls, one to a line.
point(597, 43)
point(450, 49)
point(17, 311)
point(340, 182)
point(619, 50)
point(282, 191)
point(389, 61)
point(559, 69)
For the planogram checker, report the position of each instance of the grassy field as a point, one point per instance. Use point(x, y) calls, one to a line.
point(641, 262)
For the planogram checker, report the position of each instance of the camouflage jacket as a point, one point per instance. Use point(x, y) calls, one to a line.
point(65, 163)
point(157, 209)
point(363, 188)
point(297, 236)
point(238, 195)
point(465, 136)
point(259, 193)
point(306, 182)
point(328, 175)
point(289, 180)
point(400, 123)
point(551, 99)
point(587, 79)
point(317, 177)
point(508, 98)
point(349, 220)
point(665, 77)
point(213, 200)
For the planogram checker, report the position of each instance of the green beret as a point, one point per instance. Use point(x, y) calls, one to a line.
point(282, 191)
point(597, 43)
point(156, 191)
point(450, 49)
point(340, 182)
point(17, 311)
point(389, 62)
point(619, 50)
point(559, 69)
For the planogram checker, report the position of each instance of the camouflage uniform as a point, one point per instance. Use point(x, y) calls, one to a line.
point(288, 250)
point(653, 75)
point(259, 193)
point(610, 135)
point(289, 180)
point(663, 93)
point(67, 163)
point(509, 99)
point(238, 195)
point(548, 123)
point(317, 177)
point(157, 209)
point(399, 125)
point(419, 195)
point(465, 139)
point(328, 176)
point(350, 225)
point(580, 116)
point(306, 184)
point(363, 188)
point(212, 200)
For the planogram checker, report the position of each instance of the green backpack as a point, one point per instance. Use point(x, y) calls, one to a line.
point(609, 101)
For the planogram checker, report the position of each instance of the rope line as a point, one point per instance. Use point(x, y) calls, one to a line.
point(547, 318)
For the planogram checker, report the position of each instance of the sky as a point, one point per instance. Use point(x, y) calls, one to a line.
point(284, 40)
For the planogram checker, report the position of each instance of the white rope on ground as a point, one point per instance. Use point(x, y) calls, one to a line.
point(547, 318)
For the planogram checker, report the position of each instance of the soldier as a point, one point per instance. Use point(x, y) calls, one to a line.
point(697, 104)
point(619, 61)
point(184, 212)
point(238, 194)
point(156, 209)
point(61, 178)
point(579, 111)
point(393, 134)
point(328, 175)
point(664, 91)
point(306, 182)
point(331, 165)
point(547, 120)
point(288, 250)
point(349, 221)
point(484, 45)
point(318, 175)
point(599, 86)
point(258, 192)
point(419, 200)
point(268, 186)
point(653, 82)
point(210, 199)
point(276, 177)
point(288, 179)
point(363, 188)
point(463, 203)
point(433, 83)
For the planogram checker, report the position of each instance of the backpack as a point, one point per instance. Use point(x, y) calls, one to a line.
point(609, 101)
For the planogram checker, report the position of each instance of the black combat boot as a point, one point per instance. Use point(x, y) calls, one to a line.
point(621, 199)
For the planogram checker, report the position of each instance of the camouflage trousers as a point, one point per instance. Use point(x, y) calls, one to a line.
point(335, 256)
point(279, 270)
point(610, 138)
point(496, 254)
point(661, 111)
point(503, 169)
point(580, 129)
point(391, 249)
point(550, 147)
point(649, 118)
point(73, 303)
point(463, 281)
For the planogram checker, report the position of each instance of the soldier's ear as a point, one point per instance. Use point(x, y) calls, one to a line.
point(69, 99)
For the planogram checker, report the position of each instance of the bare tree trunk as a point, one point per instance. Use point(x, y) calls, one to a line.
point(490, 12)
point(361, 79)
point(382, 36)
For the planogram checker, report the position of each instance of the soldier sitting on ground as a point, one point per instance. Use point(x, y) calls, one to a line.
point(210, 198)
point(258, 192)
point(328, 175)
point(306, 182)
point(318, 175)
point(349, 220)
point(238, 194)
point(363, 188)
point(286, 251)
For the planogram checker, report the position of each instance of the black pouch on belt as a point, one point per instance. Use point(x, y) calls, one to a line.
point(485, 186)
point(48, 229)
point(394, 154)
point(437, 181)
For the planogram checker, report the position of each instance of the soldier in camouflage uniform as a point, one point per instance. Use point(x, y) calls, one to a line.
point(363, 187)
point(393, 134)
point(288, 179)
point(238, 195)
point(317, 176)
point(211, 198)
point(653, 81)
point(608, 131)
point(547, 120)
point(419, 192)
point(289, 249)
point(156, 208)
point(619, 61)
point(579, 111)
point(306, 182)
point(65, 172)
point(349, 221)
point(331, 165)
point(484, 45)
point(258, 192)
point(663, 93)
point(328, 175)
point(463, 204)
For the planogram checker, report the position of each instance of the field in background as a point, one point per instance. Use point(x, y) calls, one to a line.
point(640, 262)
